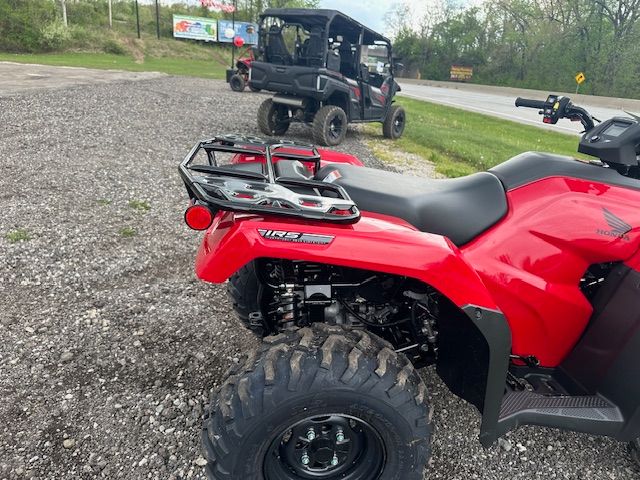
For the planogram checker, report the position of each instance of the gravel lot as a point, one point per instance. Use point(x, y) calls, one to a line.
point(110, 346)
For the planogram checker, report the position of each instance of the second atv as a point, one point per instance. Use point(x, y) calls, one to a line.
point(327, 71)
point(239, 77)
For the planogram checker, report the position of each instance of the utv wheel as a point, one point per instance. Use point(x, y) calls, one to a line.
point(272, 118)
point(245, 292)
point(237, 83)
point(319, 403)
point(634, 449)
point(329, 125)
point(395, 122)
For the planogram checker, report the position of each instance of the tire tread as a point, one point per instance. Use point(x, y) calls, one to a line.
point(296, 361)
point(319, 126)
point(387, 125)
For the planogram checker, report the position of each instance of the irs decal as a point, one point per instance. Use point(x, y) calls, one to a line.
point(619, 228)
point(296, 237)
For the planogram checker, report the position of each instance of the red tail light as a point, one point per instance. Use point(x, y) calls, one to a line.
point(198, 217)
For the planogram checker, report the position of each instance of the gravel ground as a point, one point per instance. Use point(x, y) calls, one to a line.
point(110, 345)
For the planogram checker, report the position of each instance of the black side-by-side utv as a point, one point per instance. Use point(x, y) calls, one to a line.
point(327, 70)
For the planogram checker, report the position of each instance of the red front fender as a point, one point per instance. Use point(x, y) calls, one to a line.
point(377, 243)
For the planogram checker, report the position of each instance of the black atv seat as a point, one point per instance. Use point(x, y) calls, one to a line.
point(459, 209)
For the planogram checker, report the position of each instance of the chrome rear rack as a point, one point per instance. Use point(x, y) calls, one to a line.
point(227, 187)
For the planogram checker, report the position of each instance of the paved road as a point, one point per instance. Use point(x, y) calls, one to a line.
point(19, 77)
point(499, 102)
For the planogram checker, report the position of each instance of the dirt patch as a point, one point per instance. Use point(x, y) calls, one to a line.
point(135, 47)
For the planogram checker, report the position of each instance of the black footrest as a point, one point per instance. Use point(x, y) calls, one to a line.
point(585, 407)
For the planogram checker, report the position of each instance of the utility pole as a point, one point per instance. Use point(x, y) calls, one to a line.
point(110, 15)
point(64, 13)
point(157, 20)
point(137, 19)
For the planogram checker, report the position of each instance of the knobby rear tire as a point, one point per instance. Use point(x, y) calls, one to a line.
point(323, 134)
point(314, 372)
point(245, 291)
point(271, 119)
point(237, 83)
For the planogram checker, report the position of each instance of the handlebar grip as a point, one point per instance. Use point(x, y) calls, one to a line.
point(524, 102)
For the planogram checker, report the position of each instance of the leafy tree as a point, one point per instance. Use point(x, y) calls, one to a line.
point(531, 43)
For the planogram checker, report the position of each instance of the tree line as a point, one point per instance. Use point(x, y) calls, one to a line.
point(540, 44)
point(29, 26)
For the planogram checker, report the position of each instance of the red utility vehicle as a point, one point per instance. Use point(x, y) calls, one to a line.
point(239, 78)
point(521, 285)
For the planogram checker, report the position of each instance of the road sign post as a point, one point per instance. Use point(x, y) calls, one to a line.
point(580, 78)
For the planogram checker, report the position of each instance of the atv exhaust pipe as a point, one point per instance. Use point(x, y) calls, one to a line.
point(289, 100)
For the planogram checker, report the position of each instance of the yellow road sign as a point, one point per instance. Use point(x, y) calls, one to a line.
point(580, 78)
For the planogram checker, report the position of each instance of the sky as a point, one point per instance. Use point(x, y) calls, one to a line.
point(368, 12)
point(371, 12)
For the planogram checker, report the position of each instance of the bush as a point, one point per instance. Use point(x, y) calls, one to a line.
point(54, 36)
point(82, 37)
point(113, 46)
point(21, 24)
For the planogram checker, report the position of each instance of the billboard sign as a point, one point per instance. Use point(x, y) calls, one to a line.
point(459, 73)
point(247, 31)
point(195, 28)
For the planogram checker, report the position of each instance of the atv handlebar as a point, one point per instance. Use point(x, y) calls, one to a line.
point(556, 107)
point(524, 102)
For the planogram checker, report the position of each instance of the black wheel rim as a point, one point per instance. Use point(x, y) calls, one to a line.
point(276, 121)
point(398, 123)
point(336, 126)
point(326, 447)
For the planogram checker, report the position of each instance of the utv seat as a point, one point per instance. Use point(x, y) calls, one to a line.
point(276, 50)
point(459, 209)
point(315, 48)
point(346, 60)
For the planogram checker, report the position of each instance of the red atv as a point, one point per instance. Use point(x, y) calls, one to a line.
point(240, 77)
point(521, 284)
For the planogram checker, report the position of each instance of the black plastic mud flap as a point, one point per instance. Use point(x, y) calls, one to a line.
point(600, 392)
point(495, 329)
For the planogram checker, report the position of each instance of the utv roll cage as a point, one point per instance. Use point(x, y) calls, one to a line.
point(326, 71)
point(319, 27)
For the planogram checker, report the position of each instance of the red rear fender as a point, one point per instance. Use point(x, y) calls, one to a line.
point(327, 157)
point(377, 243)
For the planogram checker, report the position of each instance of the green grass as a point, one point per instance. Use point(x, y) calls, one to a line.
point(104, 202)
point(460, 142)
point(128, 232)
point(18, 235)
point(140, 205)
point(193, 67)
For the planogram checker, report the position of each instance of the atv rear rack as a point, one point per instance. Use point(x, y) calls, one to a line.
point(229, 188)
